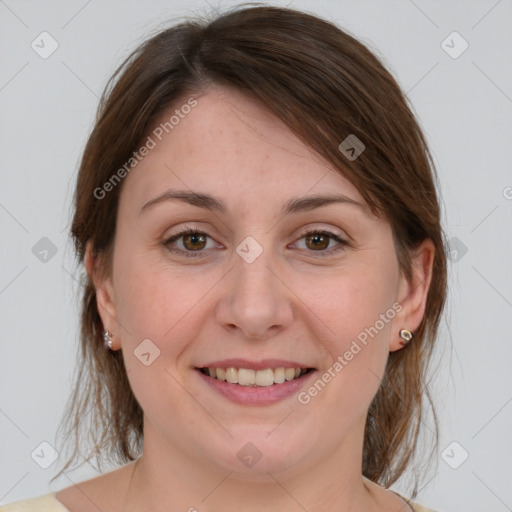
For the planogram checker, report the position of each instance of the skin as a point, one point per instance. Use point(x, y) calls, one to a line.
point(290, 303)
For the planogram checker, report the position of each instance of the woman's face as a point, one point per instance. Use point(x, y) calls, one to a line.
point(287, 269)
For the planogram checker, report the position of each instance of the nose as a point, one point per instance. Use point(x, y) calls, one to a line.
point(255, 299)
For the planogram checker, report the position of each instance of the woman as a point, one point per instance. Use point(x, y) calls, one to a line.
point(257, 214)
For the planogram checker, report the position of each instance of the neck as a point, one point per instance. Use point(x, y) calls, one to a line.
point(190, 482)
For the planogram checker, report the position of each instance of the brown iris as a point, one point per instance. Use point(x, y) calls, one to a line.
point(194, 241)
point(317, 241)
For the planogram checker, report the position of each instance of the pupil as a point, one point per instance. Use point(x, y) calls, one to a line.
point(318, 241)
point(194, 241)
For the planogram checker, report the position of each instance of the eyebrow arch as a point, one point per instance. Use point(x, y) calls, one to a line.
point(311, 202)
point(210, 203)
point(187, 196)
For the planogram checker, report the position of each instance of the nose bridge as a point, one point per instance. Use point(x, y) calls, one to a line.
point(255, 277)
point(255, 300)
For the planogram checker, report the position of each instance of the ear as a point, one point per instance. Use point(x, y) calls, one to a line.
point(104, 293)
point(412, 295)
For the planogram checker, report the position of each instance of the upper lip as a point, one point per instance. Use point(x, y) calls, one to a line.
point(254, 365)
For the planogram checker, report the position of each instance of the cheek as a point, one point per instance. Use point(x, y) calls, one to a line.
point(159, 302)
point(355, 305)
point(358, 310)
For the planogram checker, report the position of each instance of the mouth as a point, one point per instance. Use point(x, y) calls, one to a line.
point(253, 383)
point(249, 377)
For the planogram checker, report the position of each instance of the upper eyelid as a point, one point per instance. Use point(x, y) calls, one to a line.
point(322, 230)
point(194, 229)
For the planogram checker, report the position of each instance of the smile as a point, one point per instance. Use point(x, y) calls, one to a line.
point(255, 378)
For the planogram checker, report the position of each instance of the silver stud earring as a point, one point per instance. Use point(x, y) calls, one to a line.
point(107, 339)
point(406, 337)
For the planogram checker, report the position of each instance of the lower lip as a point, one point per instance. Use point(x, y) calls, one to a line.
point(257, 395)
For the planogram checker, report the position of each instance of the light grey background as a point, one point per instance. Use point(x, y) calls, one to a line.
point(465, 106)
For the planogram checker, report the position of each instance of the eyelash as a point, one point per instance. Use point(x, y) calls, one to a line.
point(326, 252)
point(177, 236)
point(194, 254)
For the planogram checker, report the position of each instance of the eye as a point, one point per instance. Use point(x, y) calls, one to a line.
point(189, 241)
point(321, 241)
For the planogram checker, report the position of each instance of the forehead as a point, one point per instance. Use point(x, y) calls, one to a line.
point(231, 145)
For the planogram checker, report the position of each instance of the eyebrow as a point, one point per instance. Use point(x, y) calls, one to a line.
point(308, 203)
point(194, 198)
point(209, 202)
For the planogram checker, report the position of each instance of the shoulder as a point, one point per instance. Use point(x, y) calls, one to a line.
point(416, 507)
point(45, 503)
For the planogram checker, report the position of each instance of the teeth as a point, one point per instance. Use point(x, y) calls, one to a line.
point(232, 375)
point(279, 375)
point(248, 377)
point(289, 373)
point(265, 377)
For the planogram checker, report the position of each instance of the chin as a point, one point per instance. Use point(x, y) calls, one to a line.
point(256, 451)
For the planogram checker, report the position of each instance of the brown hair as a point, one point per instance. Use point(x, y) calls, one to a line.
point(325, 85)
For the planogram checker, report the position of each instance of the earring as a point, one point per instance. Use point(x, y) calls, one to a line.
point(107, 339)
point(406, 337)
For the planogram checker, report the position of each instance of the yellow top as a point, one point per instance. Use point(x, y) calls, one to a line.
point(49, 503)
point(46, 503)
